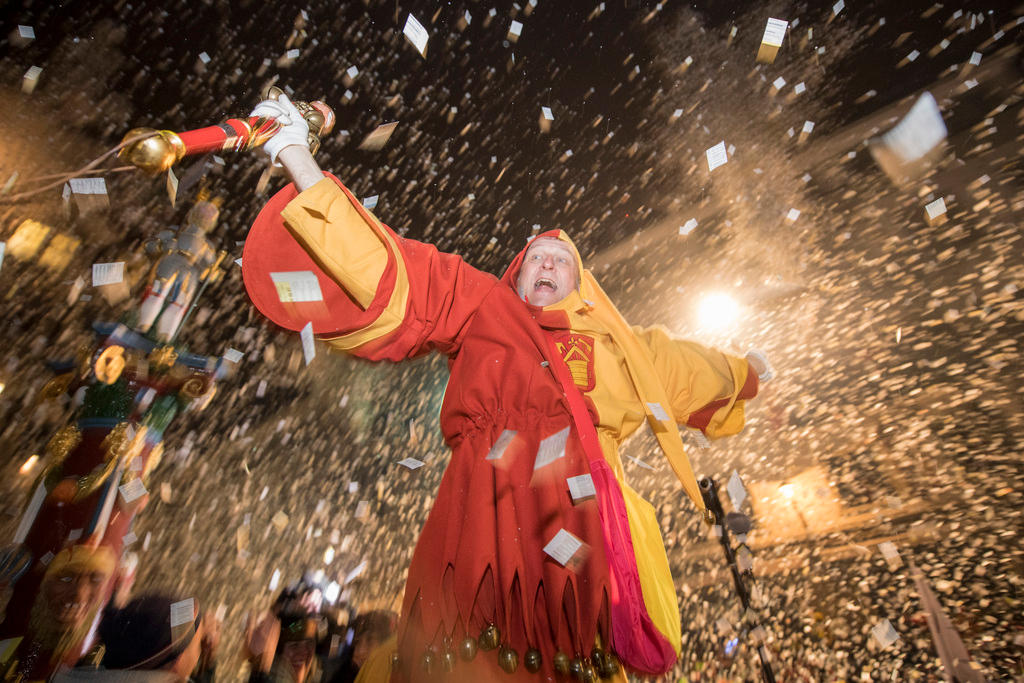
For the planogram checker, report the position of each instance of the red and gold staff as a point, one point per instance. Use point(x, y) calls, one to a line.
point(155, 151)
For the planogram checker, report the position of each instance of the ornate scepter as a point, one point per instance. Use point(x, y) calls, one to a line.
point(155, 151)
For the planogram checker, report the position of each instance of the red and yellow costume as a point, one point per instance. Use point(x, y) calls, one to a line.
point(536, 396)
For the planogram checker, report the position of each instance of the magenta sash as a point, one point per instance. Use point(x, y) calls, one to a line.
point(638, 643)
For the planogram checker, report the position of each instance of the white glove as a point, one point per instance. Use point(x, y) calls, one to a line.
point(294, 129)
point(759, 362)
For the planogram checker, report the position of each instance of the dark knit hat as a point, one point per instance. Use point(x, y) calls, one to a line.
point(140, 636)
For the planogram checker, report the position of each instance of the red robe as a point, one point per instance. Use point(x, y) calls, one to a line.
point(480, 559)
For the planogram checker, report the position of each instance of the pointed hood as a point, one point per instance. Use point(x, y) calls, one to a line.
point(511, 275)
point(590, 300)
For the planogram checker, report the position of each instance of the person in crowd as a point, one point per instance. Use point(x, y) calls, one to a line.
point(536, 551)
point(369, 631)
point(154, 639)
point(281, 647)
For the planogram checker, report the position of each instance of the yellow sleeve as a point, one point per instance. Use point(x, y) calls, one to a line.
point(354, 249)
point(706, 387)
point(335, 233)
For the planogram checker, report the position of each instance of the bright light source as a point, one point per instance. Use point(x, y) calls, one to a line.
point(29, 464)
point(718, 311)
point(332, 592)
point(788, 490)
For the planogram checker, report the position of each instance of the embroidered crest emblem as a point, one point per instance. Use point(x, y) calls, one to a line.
point(577, 350)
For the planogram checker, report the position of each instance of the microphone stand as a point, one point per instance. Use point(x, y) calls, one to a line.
point(740, 524)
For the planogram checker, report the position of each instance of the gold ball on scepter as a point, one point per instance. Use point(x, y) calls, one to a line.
point(153, 151)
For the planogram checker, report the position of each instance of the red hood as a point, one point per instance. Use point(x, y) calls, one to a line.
point(512, 272)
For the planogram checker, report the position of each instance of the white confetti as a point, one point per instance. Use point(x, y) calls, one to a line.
point(297, 286)
point(716, 156)
point(919, 131)
point(774, 32)
point(182, 612)
point(31, 79)
point(416, 34)
point(233, 355)
point(581, 487)
point(640, 462)
point(107, 273)
point(884, 633)
point(275, 580)
point(737, 493)
point(688, 227)
point(563, 546)
point(551, 448)
point(498, 449)
point(88, 185)
point(658, 412)
point(935, 209)
point(132, 490)
point(355, 573)
point(411, 463)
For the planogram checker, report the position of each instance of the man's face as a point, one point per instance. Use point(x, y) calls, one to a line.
point(549, 272)
point(72, 594)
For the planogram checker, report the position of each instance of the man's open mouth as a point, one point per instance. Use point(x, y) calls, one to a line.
point(544, 282)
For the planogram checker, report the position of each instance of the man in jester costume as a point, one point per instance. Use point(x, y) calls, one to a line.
point(538, 559)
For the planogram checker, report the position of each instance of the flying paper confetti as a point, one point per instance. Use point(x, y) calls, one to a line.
point(563, 547)
point(416, 34)
point(297, 286)
point(498, 449)
point(581, 487)
point(31, 79)
point(884, 633)
point(551, 448)
point(378, 137)
point(716, 156)
point(107, 273)
point(737, 493)
point(919, 131)
point(308, 347)
point(774, 33)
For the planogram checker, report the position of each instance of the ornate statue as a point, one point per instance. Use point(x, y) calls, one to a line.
point(174, 282)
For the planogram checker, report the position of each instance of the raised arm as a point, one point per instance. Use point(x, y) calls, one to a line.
point(384, 297)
